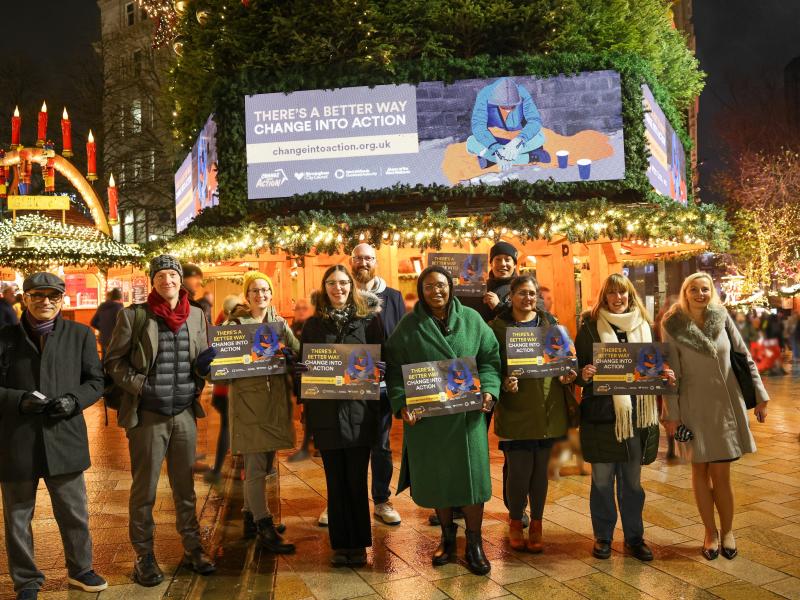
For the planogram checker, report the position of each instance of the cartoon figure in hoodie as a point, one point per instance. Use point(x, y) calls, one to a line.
point(650, 364)
point(266, 343)
point(460, 380)
point(557, 344)
point(360, 368)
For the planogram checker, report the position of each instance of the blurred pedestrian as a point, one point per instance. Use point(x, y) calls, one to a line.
point(8, 315)
point(105, 318)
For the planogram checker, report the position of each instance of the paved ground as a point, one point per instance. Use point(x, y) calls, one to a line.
point(767, 526)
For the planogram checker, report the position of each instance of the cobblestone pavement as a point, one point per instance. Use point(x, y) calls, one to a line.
point(767, 526)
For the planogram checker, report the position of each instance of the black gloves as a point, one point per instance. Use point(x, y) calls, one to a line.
point(289, 354)
point(62, 407)
point(203, 361)
point(33, 404)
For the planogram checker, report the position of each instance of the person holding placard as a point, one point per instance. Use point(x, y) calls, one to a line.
point(619, 433)
point(446, 458)
point(260, 414)
point(345, 430)
point(530, 416)
point(709, 408)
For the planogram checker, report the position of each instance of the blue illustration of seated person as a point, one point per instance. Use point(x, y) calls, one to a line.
point(266, 343)
point(472, 269)
point(649, 364)
point(557, 343)
point(508, 106)
point(460, 379)
point(360, 367)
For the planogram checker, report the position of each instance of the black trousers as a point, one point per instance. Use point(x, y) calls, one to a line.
point(349, 522)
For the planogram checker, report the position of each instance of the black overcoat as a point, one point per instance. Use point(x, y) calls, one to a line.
point(35, 446)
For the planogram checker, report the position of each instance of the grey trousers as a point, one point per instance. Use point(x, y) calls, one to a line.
point(68, 497)
point(155, 438)
point(256, 467)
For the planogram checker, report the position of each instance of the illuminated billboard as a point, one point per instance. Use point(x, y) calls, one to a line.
point(196, 179)
point(667, 168)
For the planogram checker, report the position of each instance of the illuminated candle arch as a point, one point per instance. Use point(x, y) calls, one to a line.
point(73, 175)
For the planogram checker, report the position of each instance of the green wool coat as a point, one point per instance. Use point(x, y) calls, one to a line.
point(538, 410)
point(445, 458)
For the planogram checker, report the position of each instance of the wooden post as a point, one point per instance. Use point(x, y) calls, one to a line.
point(555, 270)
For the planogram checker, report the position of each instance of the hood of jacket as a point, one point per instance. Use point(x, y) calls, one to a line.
point(374, 303)
point(685, 331)
point(242, 314)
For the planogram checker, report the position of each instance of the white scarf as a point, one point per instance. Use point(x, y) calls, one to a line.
point(638, 331)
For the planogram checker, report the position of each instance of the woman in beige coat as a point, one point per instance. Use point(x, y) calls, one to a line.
point(261, 416)
point(709, 402)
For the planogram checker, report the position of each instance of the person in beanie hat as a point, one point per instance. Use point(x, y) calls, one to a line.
point(51, 375)
point(503, 268)
point(161, 375)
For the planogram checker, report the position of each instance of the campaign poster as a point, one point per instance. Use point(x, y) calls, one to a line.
point(442, 387)
point(565, 128)
point(667, 164)
point(469, 271)
point(184, 201)
point(341, 372)
point(250, 350)
point(625, 369)
point(196, 179)
point(538, 352)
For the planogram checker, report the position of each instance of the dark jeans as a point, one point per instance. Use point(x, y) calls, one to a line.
point(381, 460)
point(349, 522)
point(629, 493)
point(220, 402)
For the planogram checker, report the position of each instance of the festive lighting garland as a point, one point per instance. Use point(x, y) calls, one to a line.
point(34, 242)
point(165, 19)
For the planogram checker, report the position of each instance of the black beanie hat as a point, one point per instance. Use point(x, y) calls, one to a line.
point(503, 248)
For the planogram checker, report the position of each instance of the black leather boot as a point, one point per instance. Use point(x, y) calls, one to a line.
point(476, 559)
point(250, 530)
point(270, 540)
point(446, 552)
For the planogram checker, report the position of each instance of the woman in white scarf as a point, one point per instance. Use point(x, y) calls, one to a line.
point(618, 433)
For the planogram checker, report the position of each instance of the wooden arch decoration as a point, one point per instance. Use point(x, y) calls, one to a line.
point(73, 175)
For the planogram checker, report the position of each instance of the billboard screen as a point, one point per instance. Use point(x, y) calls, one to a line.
point(565, 128)
point(667, 168)
point(200, 176)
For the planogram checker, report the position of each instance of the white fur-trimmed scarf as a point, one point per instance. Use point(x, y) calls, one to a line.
point(638, 331)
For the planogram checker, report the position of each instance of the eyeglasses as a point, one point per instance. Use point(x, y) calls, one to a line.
point(342, 283)
point(366, 259)
point(39, 298)
point(439, 287)
point(260, 292)
point(525, 294)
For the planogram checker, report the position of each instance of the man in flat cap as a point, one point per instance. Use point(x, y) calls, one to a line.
point(160, 369)
point(49, 374)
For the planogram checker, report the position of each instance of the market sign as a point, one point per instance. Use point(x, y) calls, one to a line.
point(38, 203)
point(469, 132)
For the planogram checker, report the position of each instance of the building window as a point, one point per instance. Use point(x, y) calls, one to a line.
point(137, 169)
point(141, 225)
point(130, 13)
point(137, 62)
point(152, 165)
point(121, 174)
point(136, 116)
point(151, 112)
point(128, 235)
point(143, 14)
point(121, 123)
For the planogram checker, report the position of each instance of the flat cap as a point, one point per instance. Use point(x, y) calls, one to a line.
point(39, 281)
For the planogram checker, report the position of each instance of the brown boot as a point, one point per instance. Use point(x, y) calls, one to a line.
point(535, 537)
point(516, 539)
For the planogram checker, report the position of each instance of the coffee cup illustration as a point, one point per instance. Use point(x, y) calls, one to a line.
point(563, 158)
point(584, 167)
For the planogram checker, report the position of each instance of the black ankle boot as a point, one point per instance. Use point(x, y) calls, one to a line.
point(250, 530)
point(446, 552)
point(270, 540)
point(476, 559)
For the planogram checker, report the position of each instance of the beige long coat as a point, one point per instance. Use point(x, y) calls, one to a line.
point(709, 401)
point(260, 409)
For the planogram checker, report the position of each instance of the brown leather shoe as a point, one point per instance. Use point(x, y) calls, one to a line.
point(516, 539)
point(535, 537)
point(199, 562)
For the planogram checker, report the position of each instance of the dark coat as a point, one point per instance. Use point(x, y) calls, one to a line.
point(598, 440)
point(35, 445)
point(7, 314)
point(339, 424)
point(105, 319)
point(394, 308)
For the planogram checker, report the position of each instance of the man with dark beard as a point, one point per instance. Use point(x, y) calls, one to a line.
point(363, 264)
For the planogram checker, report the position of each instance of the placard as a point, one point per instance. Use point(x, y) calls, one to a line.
point(538, 352)
point(636, 368)
point(250, 350)
point(341, 372)
point(469, 271)
point(442, 387)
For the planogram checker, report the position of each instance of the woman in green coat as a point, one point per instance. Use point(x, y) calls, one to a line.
point(530, 416)
point(446, 458)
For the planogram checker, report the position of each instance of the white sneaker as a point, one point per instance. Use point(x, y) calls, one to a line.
point(385, 512)
point(323, 518)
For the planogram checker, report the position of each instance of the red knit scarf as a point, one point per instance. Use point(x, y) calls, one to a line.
point(173, 318)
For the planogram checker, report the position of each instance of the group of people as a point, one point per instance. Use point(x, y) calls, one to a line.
point(158, 357)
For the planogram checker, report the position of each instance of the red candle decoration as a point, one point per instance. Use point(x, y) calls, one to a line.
point(41, 136)
point(91, 158)
point(113, 218)
point(66, 134)
point(16, 125)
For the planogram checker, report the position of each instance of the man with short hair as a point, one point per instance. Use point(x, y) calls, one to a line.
point(8, 316)
point(49, 374)
point(363, 264)
point(161, 374)
point(105, 318)
point(192, 282)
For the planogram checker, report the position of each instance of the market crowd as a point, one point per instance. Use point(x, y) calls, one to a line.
point(157, 358)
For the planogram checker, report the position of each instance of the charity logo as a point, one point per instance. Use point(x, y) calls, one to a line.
point(272, 179)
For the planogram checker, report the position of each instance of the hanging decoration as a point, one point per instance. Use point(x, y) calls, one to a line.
point(164, 14)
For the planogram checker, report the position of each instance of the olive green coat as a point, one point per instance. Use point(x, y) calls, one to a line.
point(260, 409)
point(445, 458)
point(538, 410)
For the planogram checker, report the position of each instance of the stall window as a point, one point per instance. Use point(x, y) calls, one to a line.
point(82, 290)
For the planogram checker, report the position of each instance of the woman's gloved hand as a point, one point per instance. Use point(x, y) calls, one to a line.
point(203, 361)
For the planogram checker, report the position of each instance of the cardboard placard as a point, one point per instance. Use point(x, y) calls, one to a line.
point(249, 350)
point(636, 368)
point(469, 271)
point(538, 352)
point(341, 372)
point(442, 387)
